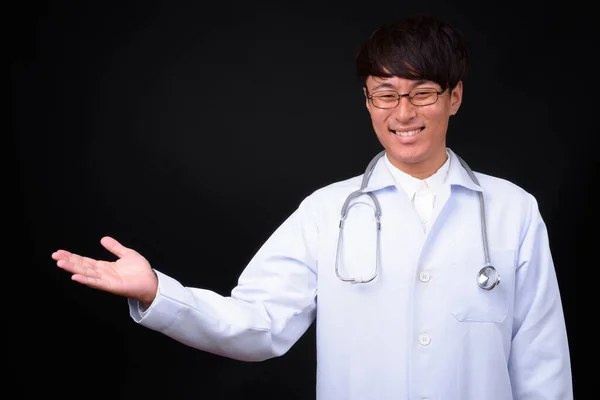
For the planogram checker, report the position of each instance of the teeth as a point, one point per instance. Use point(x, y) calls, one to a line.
point(408, 133)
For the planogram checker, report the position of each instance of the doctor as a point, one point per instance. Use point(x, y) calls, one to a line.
point(426, 281)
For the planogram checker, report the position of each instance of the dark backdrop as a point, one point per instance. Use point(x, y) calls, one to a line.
point(190, 131)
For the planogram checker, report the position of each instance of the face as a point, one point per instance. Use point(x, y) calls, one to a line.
point(414, 137)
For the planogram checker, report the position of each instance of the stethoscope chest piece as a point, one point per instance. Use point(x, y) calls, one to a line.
point(488, 278)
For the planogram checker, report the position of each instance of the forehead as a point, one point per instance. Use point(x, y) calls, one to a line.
point(396, 83)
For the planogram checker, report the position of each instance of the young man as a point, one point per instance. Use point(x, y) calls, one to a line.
point(428, 281)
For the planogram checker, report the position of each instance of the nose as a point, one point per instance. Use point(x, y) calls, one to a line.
point(405, 110)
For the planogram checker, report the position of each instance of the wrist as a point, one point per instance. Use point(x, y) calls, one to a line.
point(147, 299)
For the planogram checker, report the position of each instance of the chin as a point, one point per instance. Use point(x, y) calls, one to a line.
point(408, 157)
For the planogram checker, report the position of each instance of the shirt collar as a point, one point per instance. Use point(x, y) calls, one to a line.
point(411, 185)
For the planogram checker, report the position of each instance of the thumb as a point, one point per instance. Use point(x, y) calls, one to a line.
point(114, 247)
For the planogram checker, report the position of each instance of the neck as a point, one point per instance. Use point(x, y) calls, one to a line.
point(423, 169)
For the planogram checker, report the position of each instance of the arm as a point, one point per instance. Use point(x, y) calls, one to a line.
point(539, 363)
point(270, 308)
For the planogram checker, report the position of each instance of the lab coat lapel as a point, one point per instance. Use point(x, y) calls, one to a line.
point(458, 180)
point(398, 209)
point(402, 235)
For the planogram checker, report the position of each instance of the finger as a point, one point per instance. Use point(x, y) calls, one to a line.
point(80, 265)
point(61, 255)
point(114, 247)
point(71, 257)
point(69, 266)
point(88, 281)
point(90, 267)
point(81, 261)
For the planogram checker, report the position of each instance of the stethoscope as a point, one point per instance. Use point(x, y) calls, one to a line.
point(487, 277)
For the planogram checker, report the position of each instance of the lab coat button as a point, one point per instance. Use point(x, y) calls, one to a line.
point(424, 277)
point(424, 340)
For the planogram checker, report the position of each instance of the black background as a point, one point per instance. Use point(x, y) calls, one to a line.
point(189, 131)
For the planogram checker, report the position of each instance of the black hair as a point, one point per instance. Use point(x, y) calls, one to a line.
point(417, 47)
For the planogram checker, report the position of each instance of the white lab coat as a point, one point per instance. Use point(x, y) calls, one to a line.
point(422, 329)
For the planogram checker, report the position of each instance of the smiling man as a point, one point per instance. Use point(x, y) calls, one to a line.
point(412, 126)
point(427, 280)
point(413, 74)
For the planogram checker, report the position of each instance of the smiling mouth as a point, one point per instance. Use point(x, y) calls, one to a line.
point(410, 133)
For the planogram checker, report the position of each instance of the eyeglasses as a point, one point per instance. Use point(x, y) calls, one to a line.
point(418, 97)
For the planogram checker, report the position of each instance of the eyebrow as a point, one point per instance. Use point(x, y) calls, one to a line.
point(387, 85)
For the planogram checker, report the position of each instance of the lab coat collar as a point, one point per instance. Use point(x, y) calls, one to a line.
point(381, 177)
point(457, 175)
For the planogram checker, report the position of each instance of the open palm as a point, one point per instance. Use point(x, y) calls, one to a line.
point(130, 275)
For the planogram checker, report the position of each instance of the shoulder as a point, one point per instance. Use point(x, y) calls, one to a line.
point(335, 191)
point(501, 186)
point(331, 196)
point(507, 195)
point(342, 187)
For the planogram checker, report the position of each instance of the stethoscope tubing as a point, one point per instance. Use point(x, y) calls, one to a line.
point(483, 274)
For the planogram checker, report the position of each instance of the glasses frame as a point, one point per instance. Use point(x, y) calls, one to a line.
point(410, 98)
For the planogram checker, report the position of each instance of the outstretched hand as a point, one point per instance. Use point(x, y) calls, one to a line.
point(129, 276)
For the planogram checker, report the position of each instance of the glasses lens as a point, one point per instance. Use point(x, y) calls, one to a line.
point(423, 97)
point(385, 99)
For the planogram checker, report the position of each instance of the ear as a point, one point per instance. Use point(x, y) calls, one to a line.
point(367, 102)
point(456, 98)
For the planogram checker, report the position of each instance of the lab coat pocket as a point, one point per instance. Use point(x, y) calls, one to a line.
point(471, 303)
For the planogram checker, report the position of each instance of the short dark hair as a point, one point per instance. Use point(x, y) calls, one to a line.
point(417, 47)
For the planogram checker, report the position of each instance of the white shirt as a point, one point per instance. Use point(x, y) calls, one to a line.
point(422, 329)
point(423, 193)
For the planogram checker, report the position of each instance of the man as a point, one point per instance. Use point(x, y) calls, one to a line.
point(427, 281)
